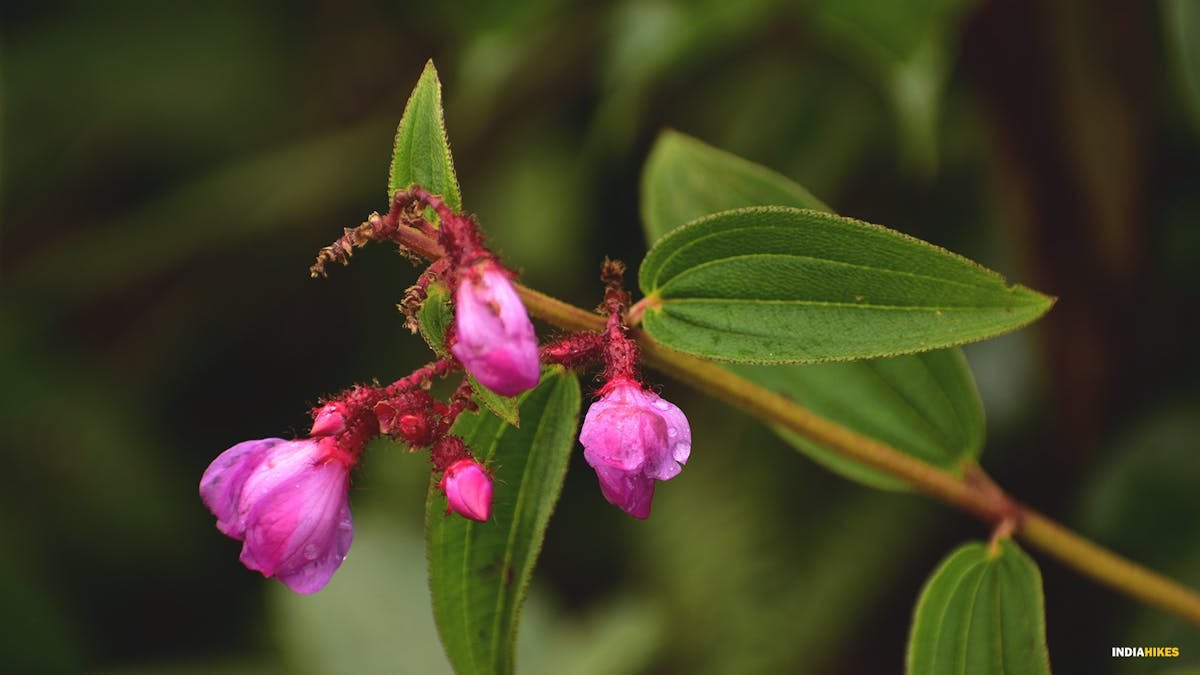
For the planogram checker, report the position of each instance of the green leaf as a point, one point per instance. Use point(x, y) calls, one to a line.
point(422, 154)
point(479, 572)
point(924, 405)
point(981, 612)
point(504, 407)
point(434, 319)
point(685, 178)
point(784, 285)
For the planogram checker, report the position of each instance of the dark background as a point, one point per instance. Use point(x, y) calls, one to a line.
point(170, 169)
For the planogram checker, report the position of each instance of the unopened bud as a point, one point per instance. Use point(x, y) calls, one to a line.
point(413, 428)
point(468, 490)
point(495, 339)
point(631, 437)
point(288, 502)
point(330, 420)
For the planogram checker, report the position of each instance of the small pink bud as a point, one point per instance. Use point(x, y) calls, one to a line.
point(494, 338)
point(468, 490)
point(330, 420)
point(288, 502)
point(631, 437)
point(412, 416)
point(414, 429)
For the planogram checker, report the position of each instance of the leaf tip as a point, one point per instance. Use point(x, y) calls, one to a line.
point(429, 70)
point(1044, 302)
point(670, 135)
point(423, 125)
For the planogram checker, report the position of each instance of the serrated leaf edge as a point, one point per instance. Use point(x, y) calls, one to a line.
point(455, 200)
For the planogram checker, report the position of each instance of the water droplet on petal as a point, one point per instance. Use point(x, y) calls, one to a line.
point(662, 405)
point(672, 432)
point(311, 552)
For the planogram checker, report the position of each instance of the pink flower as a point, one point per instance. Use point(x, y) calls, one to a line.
point(631, 437)
point(468, 490)
point(495, 339)
point(289, 502)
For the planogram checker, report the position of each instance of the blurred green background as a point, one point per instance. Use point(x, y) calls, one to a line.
point(170, 169)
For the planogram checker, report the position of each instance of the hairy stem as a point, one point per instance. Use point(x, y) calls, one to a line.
point(972, 492)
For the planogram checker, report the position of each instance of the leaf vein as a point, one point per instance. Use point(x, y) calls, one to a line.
point(832, 262)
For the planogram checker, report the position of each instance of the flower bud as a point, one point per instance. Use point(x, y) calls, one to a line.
point(494, 338)
point(288, 502)
point(468, 490)
point(631, 437)
point(411, 416)
point(330, 420)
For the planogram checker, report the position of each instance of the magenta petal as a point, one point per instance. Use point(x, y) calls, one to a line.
point(285, 463)
point(305, 575)
point(665, 464)
point(632, 437)
point(632, 492)
point(301, 531)
point(495, 340)
point(222, 484)
point(617, 432)
point(468, 490)
point(288, 502)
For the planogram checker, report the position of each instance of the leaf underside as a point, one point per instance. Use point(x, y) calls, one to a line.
point(923, 405)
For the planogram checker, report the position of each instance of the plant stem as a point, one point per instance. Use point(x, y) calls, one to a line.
point(973, 492)
point(1108, 568)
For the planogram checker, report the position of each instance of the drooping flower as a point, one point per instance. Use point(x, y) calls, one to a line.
point(632, 437)
point(288, 501)
point(468, 490)
point(495, 339)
